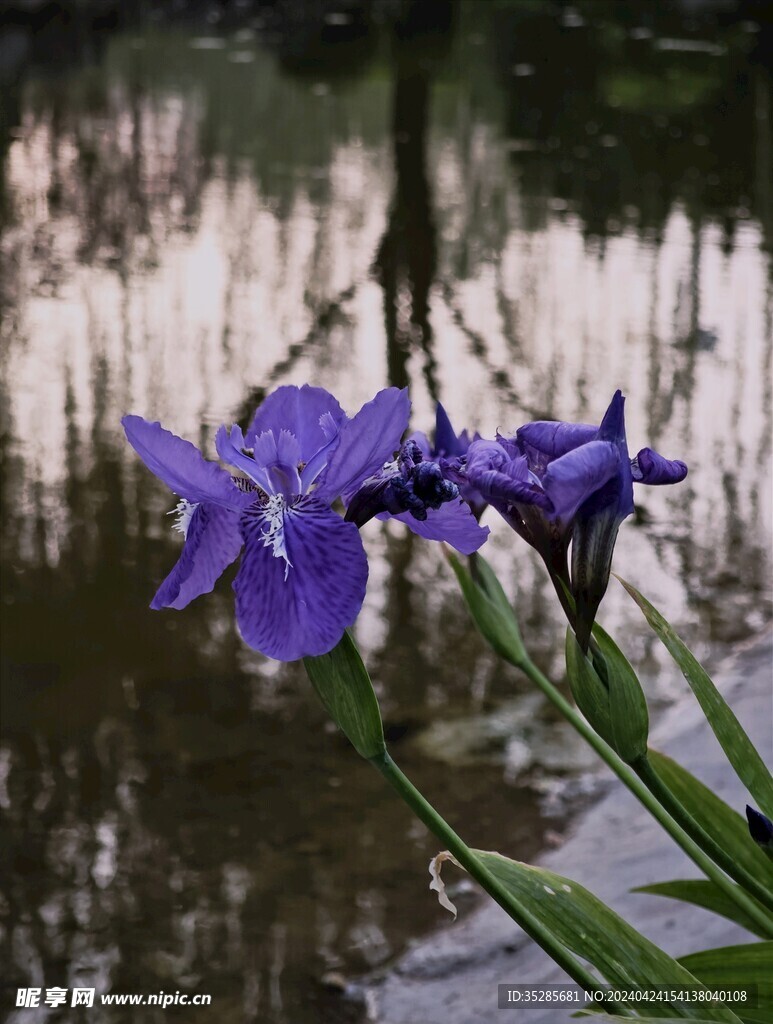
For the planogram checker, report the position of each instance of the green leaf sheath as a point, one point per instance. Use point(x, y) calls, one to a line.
point(490, 609)
point(609, 694)
point(344, 687)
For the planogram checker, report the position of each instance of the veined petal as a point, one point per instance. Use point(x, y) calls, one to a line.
point(229, 446)
point(277, 448)
point(574, 477)
point(650, 468)
point(366, 442)
point(453, 523)
point(180, 464)
point(212, 542)
point(299, 604)
point(300, 411)
point(279, 454)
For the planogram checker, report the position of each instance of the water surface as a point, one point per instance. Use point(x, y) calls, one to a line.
point(515, 210)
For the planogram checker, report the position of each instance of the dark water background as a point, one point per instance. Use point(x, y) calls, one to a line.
point(512, 207)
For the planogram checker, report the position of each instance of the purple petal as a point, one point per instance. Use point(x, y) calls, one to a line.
point(500, 479)
point(279, 454)
point(212, 543)
point(612, 427)
point(574, 477)
point(421, 439)
point(300, 411)
point(552, 438)
point(446, 441)
point(366, 442)
point(453, 523)
point(299, 607)
point(229, 446)
point(650, 468)
point(180, 464)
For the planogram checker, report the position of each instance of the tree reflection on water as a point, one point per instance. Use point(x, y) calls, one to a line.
point(509, 207)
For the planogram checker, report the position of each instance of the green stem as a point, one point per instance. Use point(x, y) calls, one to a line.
point(646, 797)
point(485, 878)
point(698, 834)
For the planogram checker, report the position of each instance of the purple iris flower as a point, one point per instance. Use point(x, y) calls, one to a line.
point(303, 571)
point(449, 450)
point(557, 483)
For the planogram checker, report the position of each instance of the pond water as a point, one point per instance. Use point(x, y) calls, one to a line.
point(514, 208)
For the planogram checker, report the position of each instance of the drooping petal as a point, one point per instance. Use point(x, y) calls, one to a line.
point(366, 442)
point(212, 542)
point(180, 464)
point(300, 604)
point(571, 479)
point(300, 411)
point(453, 523)
point(552, 438)
point(650, 468)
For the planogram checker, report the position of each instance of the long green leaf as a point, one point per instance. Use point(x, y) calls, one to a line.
point(739, 749)
point(585, 925)
point(718, 819)
point(703, 893)
point(747, 966)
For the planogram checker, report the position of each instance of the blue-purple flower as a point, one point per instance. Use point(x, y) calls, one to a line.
point(303, 571)
point(760, 829)
point(557, 483)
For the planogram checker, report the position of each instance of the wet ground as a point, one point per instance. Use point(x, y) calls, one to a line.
point(514, 208)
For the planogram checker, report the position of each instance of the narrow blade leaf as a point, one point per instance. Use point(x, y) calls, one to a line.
point(726, 826)
point(589, 928)
point(703, 893)
point(747, 966)
point(628, 713)
point(739, 749)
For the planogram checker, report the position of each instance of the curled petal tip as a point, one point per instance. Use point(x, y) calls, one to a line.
point(651, 468)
